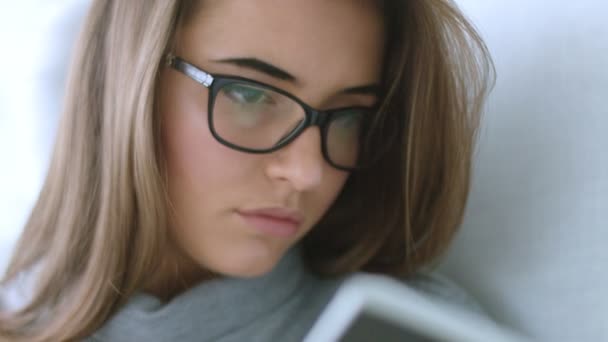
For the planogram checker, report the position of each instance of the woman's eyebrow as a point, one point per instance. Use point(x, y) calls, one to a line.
point(260, 66)
point(369, 89)
point(278, 73)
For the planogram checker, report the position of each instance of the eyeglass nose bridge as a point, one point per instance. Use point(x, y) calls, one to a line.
point(312, 118)
point(315, 117)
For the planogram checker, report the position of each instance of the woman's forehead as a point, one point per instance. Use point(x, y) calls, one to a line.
point(316, 41)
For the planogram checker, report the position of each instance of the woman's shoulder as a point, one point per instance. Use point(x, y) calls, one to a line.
point(439, 287)
point(431, 285)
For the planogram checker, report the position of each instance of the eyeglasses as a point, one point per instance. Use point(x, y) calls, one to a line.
point(253, 117)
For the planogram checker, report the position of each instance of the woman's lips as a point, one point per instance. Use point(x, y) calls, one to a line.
point(279, 222)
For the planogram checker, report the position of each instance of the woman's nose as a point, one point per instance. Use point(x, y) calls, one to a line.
point(300, 163)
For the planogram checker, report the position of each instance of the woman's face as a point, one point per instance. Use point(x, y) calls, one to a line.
point(236, 213)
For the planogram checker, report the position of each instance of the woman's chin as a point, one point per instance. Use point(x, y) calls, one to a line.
point(249, 263)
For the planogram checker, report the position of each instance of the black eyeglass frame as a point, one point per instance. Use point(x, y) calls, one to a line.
point(313, 117)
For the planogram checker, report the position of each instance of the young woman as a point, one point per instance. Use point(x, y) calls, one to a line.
point(221, 166)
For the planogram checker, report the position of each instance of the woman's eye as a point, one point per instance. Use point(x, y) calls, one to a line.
point(349, 119)
point(247, 95)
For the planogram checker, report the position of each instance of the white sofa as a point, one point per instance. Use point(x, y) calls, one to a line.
point(532, 246)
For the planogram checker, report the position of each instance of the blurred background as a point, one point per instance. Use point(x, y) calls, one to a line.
point(36, 39)
point(532, 247)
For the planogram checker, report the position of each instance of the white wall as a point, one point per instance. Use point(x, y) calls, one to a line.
point(34, 53)
point(533, 245)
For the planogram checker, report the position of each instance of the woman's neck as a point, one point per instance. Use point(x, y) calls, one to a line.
point(175, 275)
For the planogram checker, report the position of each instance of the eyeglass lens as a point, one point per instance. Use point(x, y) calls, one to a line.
point(258, 118)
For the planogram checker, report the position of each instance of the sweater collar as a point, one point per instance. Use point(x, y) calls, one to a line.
point(214, 303)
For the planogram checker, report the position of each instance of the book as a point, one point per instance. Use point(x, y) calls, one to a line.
point(374, 308)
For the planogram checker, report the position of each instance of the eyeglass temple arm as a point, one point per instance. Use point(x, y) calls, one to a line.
point(189, 70)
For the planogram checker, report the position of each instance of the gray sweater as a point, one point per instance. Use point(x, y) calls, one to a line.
point(279, 306)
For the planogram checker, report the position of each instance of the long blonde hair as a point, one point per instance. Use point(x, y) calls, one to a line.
point(99, 224)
